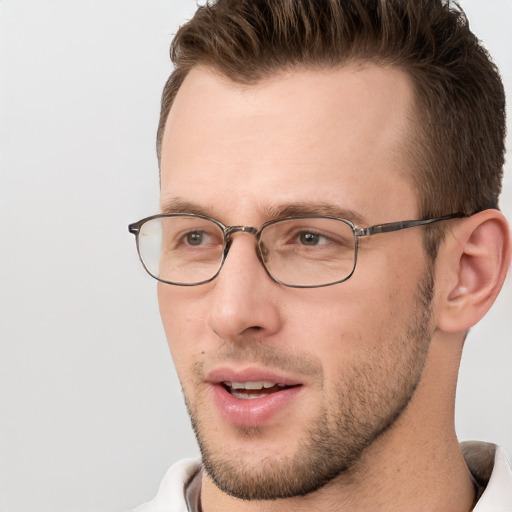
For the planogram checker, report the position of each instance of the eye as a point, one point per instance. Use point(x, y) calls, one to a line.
point(310, 238)
point(200, 238)
point(182, 236)
point(320, 236)
point(195, 237)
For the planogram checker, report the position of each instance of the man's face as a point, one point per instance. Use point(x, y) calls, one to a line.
point(339, 364)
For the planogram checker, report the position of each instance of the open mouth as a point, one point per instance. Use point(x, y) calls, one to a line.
point(252, 390)
point(253, 397)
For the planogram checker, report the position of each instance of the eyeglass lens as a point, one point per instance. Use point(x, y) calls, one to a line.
point(297, 252)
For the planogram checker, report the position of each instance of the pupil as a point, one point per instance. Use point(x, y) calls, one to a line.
point(194, 238)
point(309, 238)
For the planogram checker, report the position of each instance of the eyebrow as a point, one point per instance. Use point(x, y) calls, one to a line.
point(177, 205)
point(311, 209)
point(270, 212)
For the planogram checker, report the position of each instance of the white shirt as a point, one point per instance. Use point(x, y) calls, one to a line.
point(487, 462)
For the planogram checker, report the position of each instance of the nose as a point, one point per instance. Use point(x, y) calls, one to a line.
point(243, 296)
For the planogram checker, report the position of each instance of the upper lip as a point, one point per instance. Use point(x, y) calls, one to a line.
point(249, 374)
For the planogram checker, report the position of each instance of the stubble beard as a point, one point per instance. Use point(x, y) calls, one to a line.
point(370, 400)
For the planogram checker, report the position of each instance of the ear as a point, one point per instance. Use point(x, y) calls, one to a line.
point(471, 267)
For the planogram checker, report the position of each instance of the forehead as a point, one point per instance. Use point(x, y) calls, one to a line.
point(305, 135)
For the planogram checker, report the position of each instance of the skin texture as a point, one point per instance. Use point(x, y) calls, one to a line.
point(372, 421)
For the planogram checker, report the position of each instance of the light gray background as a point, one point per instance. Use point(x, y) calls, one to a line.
point(91, 412)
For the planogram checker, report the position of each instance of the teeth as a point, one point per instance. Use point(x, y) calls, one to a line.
point(247, 396)
point(263, 384)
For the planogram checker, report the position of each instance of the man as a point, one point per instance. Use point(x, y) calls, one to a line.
point(328, 233)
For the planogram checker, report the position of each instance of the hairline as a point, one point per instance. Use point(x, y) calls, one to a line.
point(413, 120)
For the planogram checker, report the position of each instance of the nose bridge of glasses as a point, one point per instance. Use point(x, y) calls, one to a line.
point(230, 230)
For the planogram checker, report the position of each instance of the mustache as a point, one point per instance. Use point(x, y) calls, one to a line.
point(263, 353)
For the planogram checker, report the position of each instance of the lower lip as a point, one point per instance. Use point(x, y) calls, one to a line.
point(255, 412)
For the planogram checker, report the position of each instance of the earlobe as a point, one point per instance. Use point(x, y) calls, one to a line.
point(475, 257)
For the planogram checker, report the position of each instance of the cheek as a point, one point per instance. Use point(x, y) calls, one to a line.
point(183, 317)
point(352, 323)
point(345, 316)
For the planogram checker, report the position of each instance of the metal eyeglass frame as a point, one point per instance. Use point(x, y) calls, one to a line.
point(228, 231)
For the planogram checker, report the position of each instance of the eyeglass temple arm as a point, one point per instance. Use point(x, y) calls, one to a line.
point(397, 226)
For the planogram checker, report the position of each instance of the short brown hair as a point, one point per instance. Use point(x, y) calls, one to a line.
point(458, 147)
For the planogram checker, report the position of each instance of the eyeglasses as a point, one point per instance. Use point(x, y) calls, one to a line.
point(299, 252)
